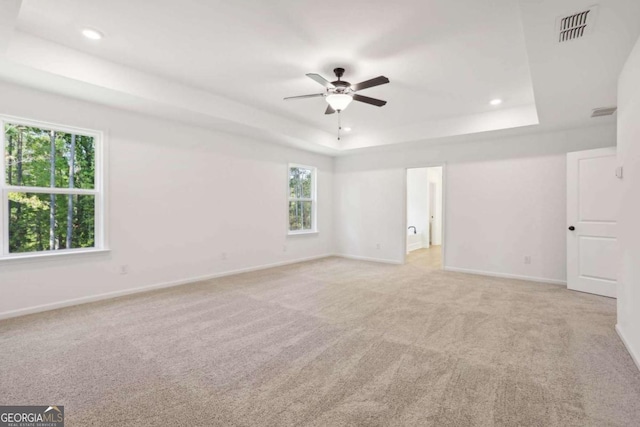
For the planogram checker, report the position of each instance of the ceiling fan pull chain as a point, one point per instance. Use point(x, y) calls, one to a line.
point(339, 125)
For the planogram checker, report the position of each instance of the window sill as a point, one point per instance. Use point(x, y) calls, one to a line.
point(52, 254)
point(302, 233)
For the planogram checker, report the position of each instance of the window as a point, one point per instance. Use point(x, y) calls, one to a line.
point(302, 199)
point(51, 189)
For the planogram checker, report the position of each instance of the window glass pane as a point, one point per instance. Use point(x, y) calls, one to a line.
point(300, 183)
point(29, 160)
point(300, 216)
point(306, 215)
point(294, 182)
point(295, 216)
point(43, 222)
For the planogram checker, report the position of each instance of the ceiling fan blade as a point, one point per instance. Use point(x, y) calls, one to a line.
point(315, 95)
point(380, 80)
point(324, 82)
point(329, 110)
point(367, 100)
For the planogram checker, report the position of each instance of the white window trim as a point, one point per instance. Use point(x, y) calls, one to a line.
point(313, 200)
point(101, 242)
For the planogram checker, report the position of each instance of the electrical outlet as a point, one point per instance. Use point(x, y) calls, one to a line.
point(284, 248)
point(377, 245)
point(527, 259)
point(124, 269)
point(223, 256)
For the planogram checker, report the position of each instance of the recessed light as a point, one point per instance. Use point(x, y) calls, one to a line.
point(496, 102)
point(347, 129)
point(92, 34)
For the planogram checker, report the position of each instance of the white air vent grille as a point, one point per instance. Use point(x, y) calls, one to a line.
point(575, 26)
point(606, 111)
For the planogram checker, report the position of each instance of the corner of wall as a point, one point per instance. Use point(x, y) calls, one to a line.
point(635, 355)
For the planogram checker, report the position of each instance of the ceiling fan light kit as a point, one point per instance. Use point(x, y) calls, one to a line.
point(339, 101)
point(339, 93)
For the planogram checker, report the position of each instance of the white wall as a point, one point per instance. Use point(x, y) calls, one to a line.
point(178, 197)
point(435, 178)
point(516, 181)
point(629, 226)
point(418, 204)
point(500, 211)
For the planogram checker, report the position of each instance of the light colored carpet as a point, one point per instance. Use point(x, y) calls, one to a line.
point(329, 343)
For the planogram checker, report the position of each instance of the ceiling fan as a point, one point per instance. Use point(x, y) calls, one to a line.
point(339, 93)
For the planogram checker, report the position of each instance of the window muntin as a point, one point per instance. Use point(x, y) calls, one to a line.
point(302, 199)
point(50, 188)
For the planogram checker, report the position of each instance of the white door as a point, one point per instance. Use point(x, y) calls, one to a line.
point(432, 211)
point(593, 192)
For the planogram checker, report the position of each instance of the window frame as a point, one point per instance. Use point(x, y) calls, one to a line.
point(313, 199)
point(98, 191)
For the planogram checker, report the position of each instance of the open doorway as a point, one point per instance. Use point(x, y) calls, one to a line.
point(424, 230)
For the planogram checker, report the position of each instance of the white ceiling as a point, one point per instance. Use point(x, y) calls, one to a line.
point(229, 64)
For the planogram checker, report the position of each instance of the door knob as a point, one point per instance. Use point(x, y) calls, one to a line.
point(572, 228)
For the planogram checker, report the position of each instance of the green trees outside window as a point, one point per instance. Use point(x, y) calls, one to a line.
point(301, 198)
point(50, 179)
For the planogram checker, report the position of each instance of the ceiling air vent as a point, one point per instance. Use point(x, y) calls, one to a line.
point(576, 25)
point(606, 111)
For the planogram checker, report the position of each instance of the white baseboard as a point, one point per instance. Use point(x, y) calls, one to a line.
point(124, 292)
point(506, 275)
point(362, 258)
point(635, 357)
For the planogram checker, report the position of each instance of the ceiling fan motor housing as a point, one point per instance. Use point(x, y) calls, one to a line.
point(341, 86)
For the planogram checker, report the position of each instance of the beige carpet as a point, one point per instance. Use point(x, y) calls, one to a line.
point(329, 343)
